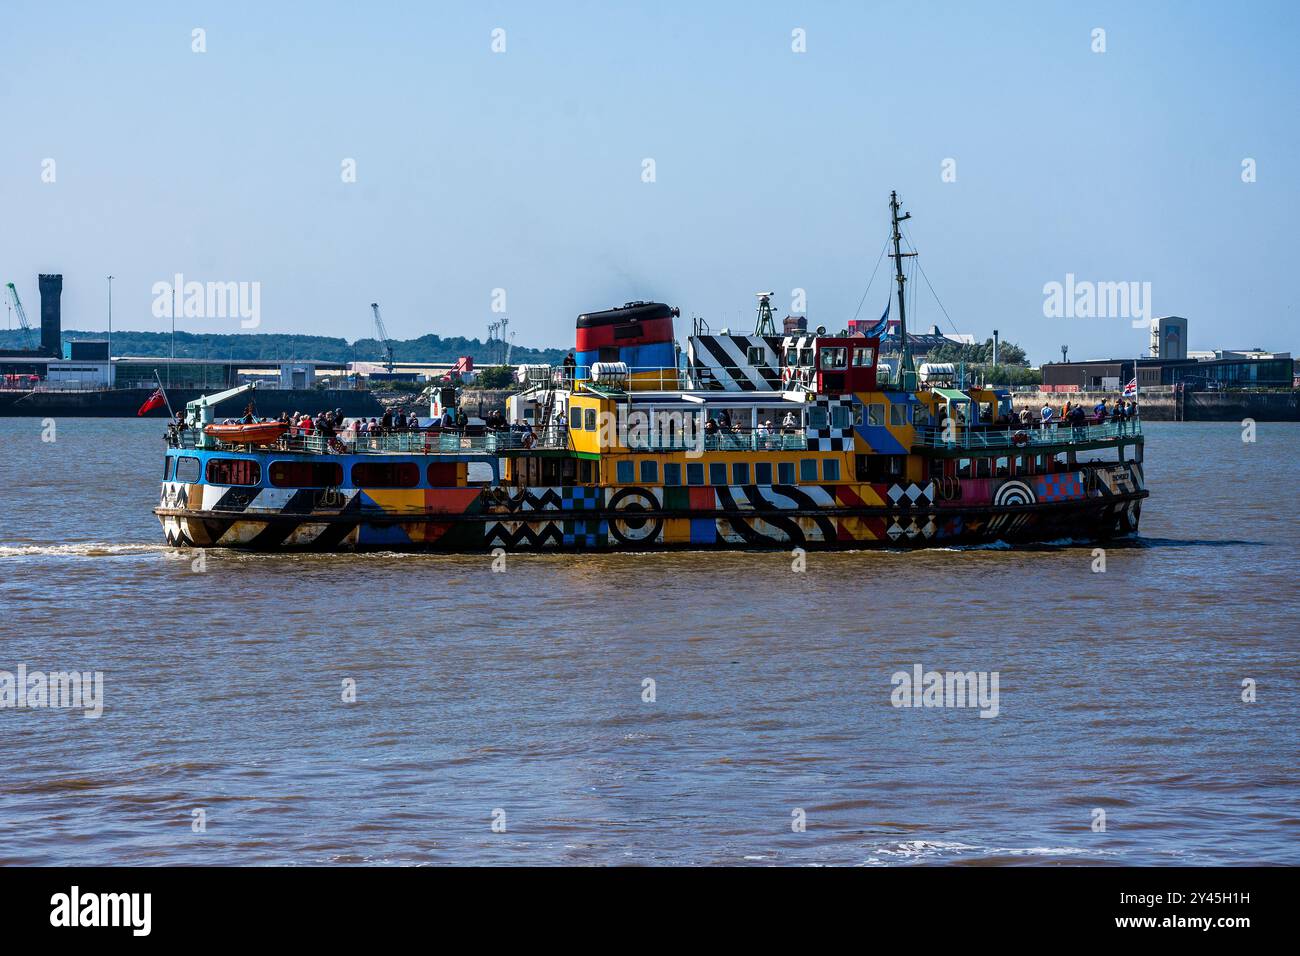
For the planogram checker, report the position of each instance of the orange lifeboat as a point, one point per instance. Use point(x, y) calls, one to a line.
point(259, 433)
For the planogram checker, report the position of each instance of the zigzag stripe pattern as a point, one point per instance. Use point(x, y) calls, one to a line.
point(513, 533)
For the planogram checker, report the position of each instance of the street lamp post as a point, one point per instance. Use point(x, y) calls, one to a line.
point(110, 331)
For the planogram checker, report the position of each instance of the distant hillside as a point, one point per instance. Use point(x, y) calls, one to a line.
point(427, 348)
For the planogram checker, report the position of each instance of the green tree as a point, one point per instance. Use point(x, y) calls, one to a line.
point(496, 376)
point(980, 353)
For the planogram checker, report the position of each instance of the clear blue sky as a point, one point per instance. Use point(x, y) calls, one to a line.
point(522, 170)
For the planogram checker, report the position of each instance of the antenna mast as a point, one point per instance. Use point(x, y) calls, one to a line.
point(766, 324)
point(905, 362)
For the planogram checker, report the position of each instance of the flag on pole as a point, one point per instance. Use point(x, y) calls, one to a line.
point(1131, 389)
point(153, 401)
point(878, 330)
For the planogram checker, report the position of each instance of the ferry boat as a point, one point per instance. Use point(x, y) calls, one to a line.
point(764, 440)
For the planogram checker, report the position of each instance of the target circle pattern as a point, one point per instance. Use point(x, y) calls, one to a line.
point(1014, 493)
point(634, 529)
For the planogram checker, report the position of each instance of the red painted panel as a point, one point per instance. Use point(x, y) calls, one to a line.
point(632, 333)
point(449, 501)
point(702, 499)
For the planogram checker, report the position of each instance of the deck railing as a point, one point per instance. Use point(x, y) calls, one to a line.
point(792, 440)
point(1053, 433)
point(395, 443)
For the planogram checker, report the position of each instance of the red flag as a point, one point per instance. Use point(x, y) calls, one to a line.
point(153, 401)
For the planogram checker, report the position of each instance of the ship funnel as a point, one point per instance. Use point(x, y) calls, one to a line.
point(639, 335)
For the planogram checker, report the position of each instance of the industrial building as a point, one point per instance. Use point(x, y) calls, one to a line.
point(1170, 363)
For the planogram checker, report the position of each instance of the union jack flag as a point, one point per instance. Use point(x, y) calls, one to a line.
point(1131, 388)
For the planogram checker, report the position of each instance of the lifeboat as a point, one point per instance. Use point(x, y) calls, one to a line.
point(259, 433)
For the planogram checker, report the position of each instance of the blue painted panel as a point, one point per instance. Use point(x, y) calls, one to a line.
point(880, 439)
point(382, 534)
point(704, 531)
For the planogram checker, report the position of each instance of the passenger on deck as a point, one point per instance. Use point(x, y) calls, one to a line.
point(1045, 416)
point(1077, 420)
point(789, 424)
point(1025, 417)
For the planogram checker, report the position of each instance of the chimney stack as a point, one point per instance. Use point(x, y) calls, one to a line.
point(51, 315)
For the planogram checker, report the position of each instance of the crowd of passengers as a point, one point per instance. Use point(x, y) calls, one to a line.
point(1071, 414)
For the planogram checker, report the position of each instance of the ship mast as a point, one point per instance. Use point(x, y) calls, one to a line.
point(905, 360)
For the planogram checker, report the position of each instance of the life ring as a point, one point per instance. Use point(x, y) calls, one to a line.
point(1019, 439)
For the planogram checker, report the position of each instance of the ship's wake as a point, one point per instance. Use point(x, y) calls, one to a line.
point(82, 549)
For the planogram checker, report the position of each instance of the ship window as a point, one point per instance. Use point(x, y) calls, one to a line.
point(442, 474)
point(831, 469)
point(1000, 467)
point(694, 473)
point(807, 469)
point(805, 356)
point(834, 358)
point(385, 474)
point(649, 472)
point(167, 467)
point(672, 473)
point(584, 471)
point(575, 419)
point(880, 468)
point(740, 473)
point(305, 474)
point(898, 414)
point(589, 415)
point(638, 429)
point(920, 415)
point(864, 358)
point(964, 468)
point(763, 473)
point(717, 473)
point(624, 470)
point(983, 468)
point(817, 417)
point(876, 413)
point(785, 472)
point(187, 469)
point(840, 416)
point(859, 411)
point(233, 471)
point(754, 355)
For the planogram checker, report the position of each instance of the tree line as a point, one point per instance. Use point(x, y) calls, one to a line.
point(280, 347)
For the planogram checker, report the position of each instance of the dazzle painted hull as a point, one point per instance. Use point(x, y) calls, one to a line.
point(1090, 504)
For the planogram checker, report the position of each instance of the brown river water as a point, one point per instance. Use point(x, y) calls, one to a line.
point(518, 698)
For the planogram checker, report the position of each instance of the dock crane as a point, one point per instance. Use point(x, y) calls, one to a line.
point(383, 337)
point(22, 315)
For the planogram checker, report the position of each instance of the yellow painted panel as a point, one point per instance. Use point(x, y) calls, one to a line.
point(397, 500)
